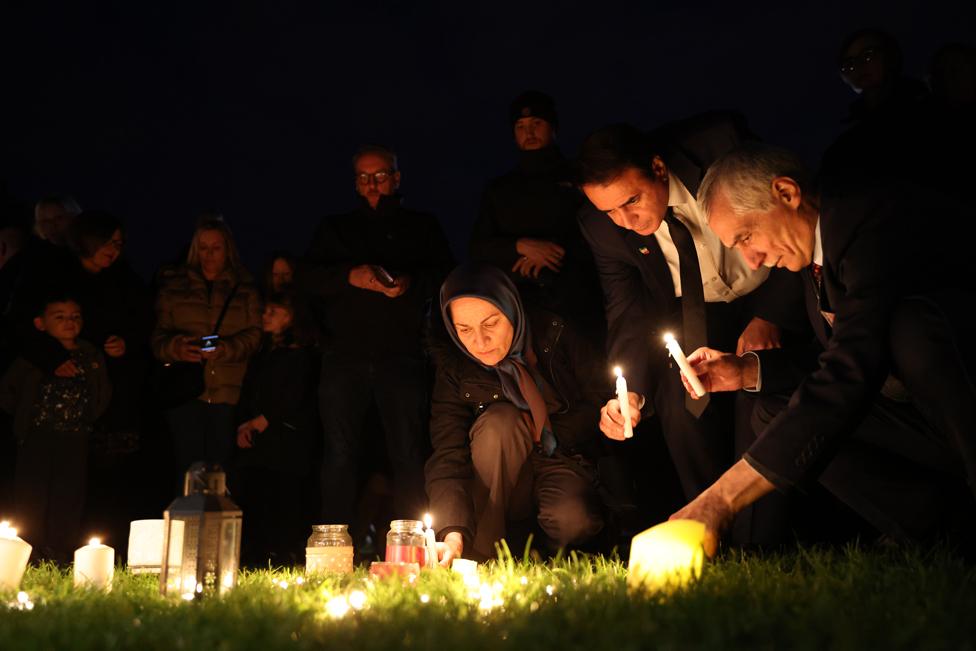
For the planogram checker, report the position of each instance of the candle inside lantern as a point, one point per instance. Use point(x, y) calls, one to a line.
point(624, 402)
point(94, 565)
point(431, 541)
point(683, 364)
point(666, 556)
point(14, 554)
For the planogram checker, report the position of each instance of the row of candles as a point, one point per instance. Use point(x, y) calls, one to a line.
point(407, 551)
point(94, 563)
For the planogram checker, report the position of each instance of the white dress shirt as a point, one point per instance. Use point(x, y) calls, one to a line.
point(725, 275)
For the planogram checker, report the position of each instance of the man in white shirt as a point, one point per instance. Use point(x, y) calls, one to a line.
point(662, 270)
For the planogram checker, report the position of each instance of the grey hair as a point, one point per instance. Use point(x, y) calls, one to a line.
point(746, 176)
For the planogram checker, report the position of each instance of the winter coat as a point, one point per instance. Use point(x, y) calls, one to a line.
point(21, 385)
point(188, 306)
point(463, 390)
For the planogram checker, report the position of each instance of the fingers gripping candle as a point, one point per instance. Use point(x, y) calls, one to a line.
point(624, 402)
point(683, 364)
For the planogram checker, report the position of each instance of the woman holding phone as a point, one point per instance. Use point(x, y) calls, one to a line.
point(208, 311)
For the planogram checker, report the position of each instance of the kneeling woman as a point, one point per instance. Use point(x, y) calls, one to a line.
point(512, 418)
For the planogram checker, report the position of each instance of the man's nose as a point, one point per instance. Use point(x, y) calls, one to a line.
point(631, 218)
point(753, 258)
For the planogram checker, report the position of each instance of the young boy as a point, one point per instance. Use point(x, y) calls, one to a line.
point(53, 416)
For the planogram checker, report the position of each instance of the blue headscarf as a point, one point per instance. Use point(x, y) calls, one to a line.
point(478, 280)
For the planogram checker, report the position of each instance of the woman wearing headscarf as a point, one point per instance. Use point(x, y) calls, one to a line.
point(513, 420)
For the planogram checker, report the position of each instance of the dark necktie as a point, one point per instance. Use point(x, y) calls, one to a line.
point(692, 298)
point(816, 271)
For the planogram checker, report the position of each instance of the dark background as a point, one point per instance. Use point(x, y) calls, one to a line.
point(158, 110)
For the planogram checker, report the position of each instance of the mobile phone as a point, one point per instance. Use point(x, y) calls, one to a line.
point(208, 343)
point(383, 276)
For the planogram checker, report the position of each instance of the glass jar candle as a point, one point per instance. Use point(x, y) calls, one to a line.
point(405, 542)
point(329, 549)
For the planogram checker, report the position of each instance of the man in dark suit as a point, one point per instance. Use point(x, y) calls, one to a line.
point(884, 409)
point(662, 270)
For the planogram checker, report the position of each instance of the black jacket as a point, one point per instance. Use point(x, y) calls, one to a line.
point(867, 267)
point(280, 385)
point(537, 200)
point(463, 390)
point(360, 323)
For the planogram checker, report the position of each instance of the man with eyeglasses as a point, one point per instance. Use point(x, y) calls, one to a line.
point(371, 274)
point(888, 122)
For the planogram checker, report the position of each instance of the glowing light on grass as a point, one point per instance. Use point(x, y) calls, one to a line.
point(300, 581)
point(424, 598)
point(666, 556)
point(357, 599)
point(337, 607)
point(550, 590)
point(524, 581)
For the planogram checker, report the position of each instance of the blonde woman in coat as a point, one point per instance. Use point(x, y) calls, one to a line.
point(190, 300)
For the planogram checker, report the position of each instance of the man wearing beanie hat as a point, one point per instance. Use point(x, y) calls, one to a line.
point(527, 225)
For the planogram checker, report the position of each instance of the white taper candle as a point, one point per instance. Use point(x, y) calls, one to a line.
point(624, 402)
point(683, 364)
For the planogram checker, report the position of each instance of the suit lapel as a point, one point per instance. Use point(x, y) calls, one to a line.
point(813, 307)
point(650, 260)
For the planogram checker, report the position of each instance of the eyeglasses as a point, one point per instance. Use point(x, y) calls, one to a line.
point(377, 177)
point(850, 64)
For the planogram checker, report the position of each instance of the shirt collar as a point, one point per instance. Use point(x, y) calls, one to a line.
point(678, 194)
point(817, 245)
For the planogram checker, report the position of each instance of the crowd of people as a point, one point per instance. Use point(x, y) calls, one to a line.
point(372, 378)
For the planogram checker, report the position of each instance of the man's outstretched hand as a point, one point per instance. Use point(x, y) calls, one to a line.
point(716, 506)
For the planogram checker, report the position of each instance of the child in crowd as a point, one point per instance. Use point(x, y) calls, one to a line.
point(53, 416)
point(278, 423)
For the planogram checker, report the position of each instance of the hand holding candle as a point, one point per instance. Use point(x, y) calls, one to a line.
point(683, 364)
point(624, 402)
point(94, 565)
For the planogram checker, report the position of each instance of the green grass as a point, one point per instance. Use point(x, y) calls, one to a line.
point(809, 599)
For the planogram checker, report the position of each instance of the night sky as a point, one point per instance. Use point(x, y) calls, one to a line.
point(158, 110)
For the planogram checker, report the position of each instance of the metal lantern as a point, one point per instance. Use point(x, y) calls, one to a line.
point(201, 537)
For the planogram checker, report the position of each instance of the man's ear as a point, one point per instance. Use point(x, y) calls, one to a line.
point(787, 191)
point(659, 168)
point(396, 180)
point(39, 323)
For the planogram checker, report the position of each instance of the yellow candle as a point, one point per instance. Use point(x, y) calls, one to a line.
point(666, 556)
point(94, 565)
point(14, 554)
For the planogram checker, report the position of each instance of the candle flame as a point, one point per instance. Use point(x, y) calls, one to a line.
point(618, 371)
point(95, 541)
point(428, 520)
point(7, 531)
point(668, 337)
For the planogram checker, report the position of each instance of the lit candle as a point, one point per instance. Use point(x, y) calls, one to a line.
point(624, 402)
point(14, 554)
point(683, 364)
point(94, 565)
point(468, 570)
point(431, 541)
point(667, 556)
